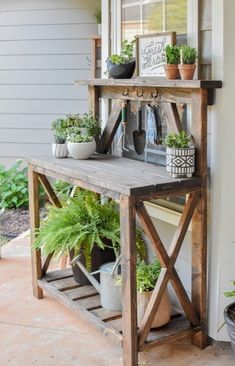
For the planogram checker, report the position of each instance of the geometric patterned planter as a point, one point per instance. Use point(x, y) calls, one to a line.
point(180, 162)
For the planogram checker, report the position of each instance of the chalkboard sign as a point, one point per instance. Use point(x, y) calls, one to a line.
point(150, 53)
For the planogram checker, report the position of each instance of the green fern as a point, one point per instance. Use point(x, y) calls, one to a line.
point(81, 223)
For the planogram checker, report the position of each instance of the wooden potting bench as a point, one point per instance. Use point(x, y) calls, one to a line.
point(132, 183)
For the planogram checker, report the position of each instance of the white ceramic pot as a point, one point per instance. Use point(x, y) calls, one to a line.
point(162, 316)
point(180, 162)
point(81, 150)
point(59, 150)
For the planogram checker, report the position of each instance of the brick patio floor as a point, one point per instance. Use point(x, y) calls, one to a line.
point(45, 333)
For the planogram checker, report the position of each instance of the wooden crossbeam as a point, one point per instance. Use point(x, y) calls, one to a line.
point(173, 118)
point(167, 261)
point(110, 129)
point(55, 201)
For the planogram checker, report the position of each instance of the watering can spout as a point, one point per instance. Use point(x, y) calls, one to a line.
point(93, 281)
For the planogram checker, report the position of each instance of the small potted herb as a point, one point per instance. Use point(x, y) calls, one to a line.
point(98, 17)
point(146, 278)
point(59, 147)
point(172, 61)
point(80, 146)
point(180, 155)
point(187, 67)
point(122, 66)
point(87, 123)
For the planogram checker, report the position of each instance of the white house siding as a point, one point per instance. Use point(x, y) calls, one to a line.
point(44, 48)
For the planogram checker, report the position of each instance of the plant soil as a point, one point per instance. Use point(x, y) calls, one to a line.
point(14, 222)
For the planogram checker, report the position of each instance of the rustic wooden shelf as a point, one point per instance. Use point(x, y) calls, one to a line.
point(84, 301)
point(133, 183)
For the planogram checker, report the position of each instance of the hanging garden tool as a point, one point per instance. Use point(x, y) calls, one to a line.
point(153, 125)
point(139, 135)
point(123, 143)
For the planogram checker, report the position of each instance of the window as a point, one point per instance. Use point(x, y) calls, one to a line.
point(151, 16)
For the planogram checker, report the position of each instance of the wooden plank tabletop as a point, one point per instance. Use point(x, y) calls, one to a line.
point(111, 173)
point(160, 82)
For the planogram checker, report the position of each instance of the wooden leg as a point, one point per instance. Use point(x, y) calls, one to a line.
point(199, 264)
point(34, 223)
point(128, 246)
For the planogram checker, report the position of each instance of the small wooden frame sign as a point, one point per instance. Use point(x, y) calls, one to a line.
point(150, 53)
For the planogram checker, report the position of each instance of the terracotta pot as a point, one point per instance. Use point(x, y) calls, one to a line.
point(172, 71)
point(180, 162)
point(187, 71)
point(163, 315)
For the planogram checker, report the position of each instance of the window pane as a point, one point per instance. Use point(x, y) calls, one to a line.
point(176, 16)
point(152, 18)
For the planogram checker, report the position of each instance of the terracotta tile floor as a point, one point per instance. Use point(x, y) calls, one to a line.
point(44, 333)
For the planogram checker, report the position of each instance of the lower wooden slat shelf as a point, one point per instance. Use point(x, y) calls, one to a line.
point(85, 302)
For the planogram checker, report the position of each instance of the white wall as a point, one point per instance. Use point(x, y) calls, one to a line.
point(44, 45)
point(222, 245)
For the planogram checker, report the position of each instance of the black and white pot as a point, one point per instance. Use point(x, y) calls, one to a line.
point(59, 150)
point(122, 71)
point(229, 317)
point(180, 162)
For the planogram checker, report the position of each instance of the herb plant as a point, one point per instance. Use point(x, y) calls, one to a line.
point(147, 275)
point(177, 140)
point(126, 54)
point(75, 136)
point(98, 15)
point(172, 54)
point(13, 187)
point(189, 54)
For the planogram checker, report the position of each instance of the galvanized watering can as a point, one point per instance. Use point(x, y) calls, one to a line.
point(110, 292)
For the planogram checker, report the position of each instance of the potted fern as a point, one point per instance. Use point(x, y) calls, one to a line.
point(59, 147)
point(180, 155)
point(146, 278)
point(122, 66)
point(187, 67)
point(172, 61)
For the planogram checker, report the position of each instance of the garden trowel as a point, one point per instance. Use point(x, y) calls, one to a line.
point(139, 135)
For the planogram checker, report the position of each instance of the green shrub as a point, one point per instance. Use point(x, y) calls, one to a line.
point(13, 187)
point(172, 54)
point(189, 54)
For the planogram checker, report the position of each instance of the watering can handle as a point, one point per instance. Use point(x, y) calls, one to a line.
point(115, 265)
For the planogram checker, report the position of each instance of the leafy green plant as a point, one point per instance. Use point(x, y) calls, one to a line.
point(189, 54)
point(230, 293)
point(98, 15)
point(147, 275)
point(75, 136)
point(126, 54)
point(62, 188)
point(79, 225)
point(13, 187)
point(177, 140)
point(172, 54)
point(59, 127)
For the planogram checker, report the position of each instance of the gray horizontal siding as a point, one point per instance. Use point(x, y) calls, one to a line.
point(45, 47)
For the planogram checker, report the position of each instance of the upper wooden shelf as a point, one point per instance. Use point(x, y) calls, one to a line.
point(114, 176)
point(154, 82)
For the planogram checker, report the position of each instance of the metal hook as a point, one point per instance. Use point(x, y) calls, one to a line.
point(154, 95)
point(140, 93)
point(125, 93)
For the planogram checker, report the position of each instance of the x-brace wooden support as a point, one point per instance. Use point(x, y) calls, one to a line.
point(167, 261)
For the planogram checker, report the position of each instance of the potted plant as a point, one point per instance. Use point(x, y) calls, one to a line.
point(180, 155)
point(172, 61)
point(187, 67)
point(80, 147)
point(87, 123)
point(98, 17)
point(146, 278)
point(229, 317)
point(122, 66)
point(59, 147)
point(84, 226)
